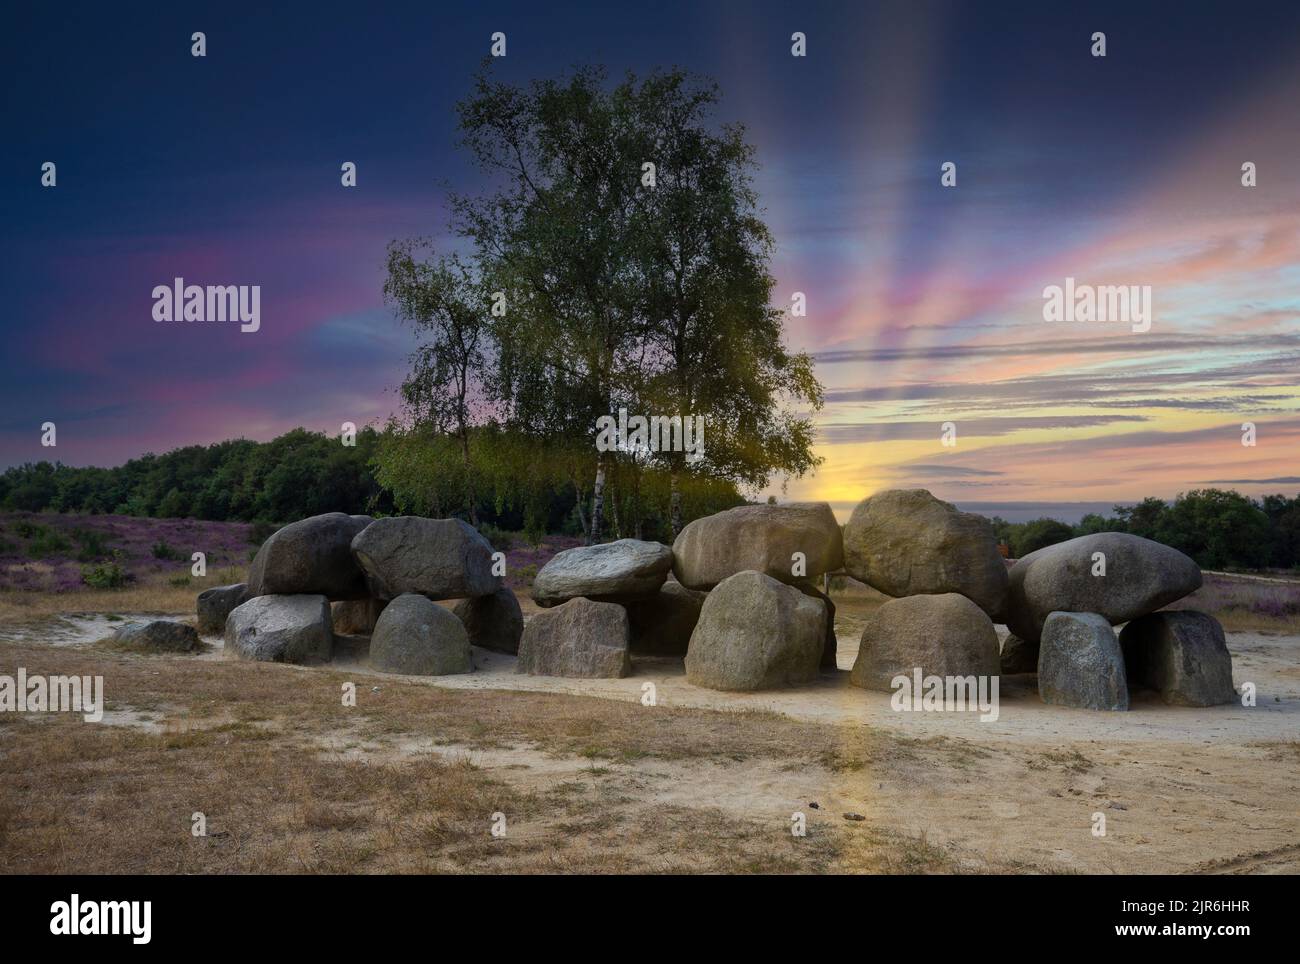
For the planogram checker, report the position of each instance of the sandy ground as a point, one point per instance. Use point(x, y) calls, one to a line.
point(1181, 789)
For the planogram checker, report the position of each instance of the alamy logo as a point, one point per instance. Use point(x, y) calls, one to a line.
point(954, 694)
point(1130, 304)
point(133, 917)
point(53, 694)
point(181, 302)
point(658, 433)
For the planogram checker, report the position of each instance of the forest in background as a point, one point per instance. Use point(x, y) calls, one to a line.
point(304, 473)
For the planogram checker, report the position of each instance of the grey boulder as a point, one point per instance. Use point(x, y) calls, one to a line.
point(756, 633)
point(941, 635)
point(1080, 663)
point(416, 636)
point(761, 538)
point(1182, 654)
point(494, 622)
point(579, 638)
point(158, 636)
point(281, 629)
point(437, 558)
point(611, 572)
point(1140, 577)
point(309, 557)
point(214, 605)
point(905, 542)
point(662, 625)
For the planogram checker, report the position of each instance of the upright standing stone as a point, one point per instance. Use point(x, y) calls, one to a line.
point(578, 638)
point(417, 637)
point(941, 635)
point(1080, 663)
point(1182, 654)
point(281, 629)
point(215, 605)
point(756, 633)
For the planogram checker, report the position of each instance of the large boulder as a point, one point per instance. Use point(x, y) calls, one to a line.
point(578, 638)
point(1182, 654)
point(662, 625)
point(1140, 577)
point(905, 542)
point(611, 572)
point(494, 622)
point(281, 629)
point(1018, 656)
point(762, 538)
point(437, 558)
point(416, 636)
point(309, 557)
point(356, 617)
point(756, 633)
point(942, 635)
point(158, 636)
point(1080, 663)
point(215, 604)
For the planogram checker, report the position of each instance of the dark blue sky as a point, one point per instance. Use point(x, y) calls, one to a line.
point(225, 170)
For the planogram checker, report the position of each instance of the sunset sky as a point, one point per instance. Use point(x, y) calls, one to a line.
point(924, 302)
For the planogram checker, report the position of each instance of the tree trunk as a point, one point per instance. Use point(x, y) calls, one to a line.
point(597, 502)
point(675, 505)
point(581, 497)
point(469, 479)
point(617, 519)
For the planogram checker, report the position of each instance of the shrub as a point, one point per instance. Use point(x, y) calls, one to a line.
point(161, 550)
point(105, 575)
point(45, 541)
point(94, 545)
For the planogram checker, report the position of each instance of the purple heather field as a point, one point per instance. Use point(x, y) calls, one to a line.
point(49, 552)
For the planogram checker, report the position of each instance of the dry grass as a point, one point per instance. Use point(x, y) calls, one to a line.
point(245, 745)
point(155, 595)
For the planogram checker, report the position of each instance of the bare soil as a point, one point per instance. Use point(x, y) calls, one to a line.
point(589, 779)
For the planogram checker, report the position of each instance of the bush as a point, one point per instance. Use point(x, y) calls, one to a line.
point(1037, 534)
point(161, 550)
point(499, 538)
point(45, 541)
point(105, 575)
point(94, 545)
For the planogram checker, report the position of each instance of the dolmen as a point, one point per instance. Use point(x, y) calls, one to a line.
point(351, 574)
point(1059, 603)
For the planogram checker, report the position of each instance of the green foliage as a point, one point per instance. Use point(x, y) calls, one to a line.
point(105, 575)
point(1035, 535)
point(1219, 529)
point(299, 474)
point(93, 545)
point(620, 295)
point(162, 550)
point(44, 541)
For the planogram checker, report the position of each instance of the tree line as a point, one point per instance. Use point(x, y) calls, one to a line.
point(1220, 529)
point(303, 473)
